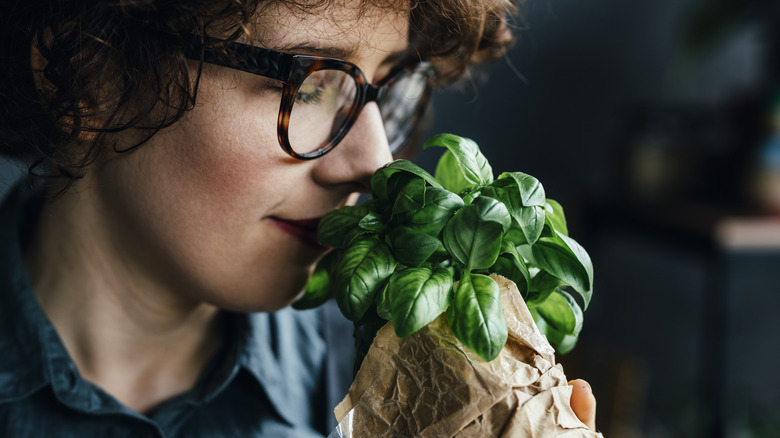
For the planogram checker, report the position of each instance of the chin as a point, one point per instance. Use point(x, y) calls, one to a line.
point(271, 297)
point(254, 306)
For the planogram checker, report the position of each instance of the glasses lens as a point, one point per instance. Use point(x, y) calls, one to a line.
point(400, 106)
point(321, 108)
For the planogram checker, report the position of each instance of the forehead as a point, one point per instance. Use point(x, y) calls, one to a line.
point(360, 28)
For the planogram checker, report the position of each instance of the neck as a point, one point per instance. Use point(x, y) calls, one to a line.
point(132, 336)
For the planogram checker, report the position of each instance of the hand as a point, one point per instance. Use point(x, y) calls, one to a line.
point(583, 403)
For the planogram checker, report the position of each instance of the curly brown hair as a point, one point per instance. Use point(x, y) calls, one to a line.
point(109, 65)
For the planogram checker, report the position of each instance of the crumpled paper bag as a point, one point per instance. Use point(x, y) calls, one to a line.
point(430, 385)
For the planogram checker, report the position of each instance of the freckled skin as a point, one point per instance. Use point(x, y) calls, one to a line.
point(194, 208)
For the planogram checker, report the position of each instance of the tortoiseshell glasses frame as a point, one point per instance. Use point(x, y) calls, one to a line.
point(292, 70)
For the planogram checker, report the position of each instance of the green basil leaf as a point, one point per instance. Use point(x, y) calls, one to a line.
point(412, 248)
point(419, 295)
point(395, 185)
point(529, 217)
point(383, 301)
point(473, 242)
point(319, 288)
point(372, 221)
point(531, 190)
point(357, 233)
point(361, 271)
point(542, 284)
point(562, 343)
point(411, 198)
point(547, 229)
point(475, 315)
point(470, 195)
point(449, 175)
point(513, 268)
point(438, 207)
point(554, 214)
point(509, 247)
point(489, 209)
point(563, 257)
point(506, 191)
point(562, 312)
point(472, 164)
point(562, 319)
point(514, 236)
point(531, 221)
point(380, 181)
point(335, 226)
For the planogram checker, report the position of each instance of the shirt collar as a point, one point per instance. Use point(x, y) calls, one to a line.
point(282, 351)
point(22, 370)
point(259, 356)
point(265, 345)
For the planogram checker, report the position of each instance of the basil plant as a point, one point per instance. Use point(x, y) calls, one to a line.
point(424, 245)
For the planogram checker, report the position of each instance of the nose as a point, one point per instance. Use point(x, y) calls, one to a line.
point(361, 152)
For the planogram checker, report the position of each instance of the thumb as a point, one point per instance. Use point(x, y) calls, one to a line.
point(583, 403)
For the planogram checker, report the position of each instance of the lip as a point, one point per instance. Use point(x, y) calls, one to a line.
point(305, 230)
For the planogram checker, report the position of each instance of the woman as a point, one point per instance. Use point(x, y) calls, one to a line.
point(146, 292)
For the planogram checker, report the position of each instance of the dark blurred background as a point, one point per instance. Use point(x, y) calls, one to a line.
point(653, 124)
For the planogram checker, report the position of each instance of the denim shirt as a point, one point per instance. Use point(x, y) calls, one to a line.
point(278, 376)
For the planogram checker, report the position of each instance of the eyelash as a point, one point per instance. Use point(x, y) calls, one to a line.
point(267, 85)
point(314, 97)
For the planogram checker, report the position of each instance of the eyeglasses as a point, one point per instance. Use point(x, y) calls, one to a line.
point(321, 98)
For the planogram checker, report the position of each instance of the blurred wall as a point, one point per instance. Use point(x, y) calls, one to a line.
point(578, 102)
point(578, 66)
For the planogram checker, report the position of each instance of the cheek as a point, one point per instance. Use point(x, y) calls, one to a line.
point(195, 197)
point(227, 147)
point(222, 185)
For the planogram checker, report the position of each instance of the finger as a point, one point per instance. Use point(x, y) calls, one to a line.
point(583, 403)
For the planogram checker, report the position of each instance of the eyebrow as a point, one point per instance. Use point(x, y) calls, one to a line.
point(336, 52)
point(314, 50)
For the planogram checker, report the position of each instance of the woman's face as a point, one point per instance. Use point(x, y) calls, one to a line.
point(212, 208)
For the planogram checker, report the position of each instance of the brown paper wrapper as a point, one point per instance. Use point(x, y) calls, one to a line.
point(430, 385)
